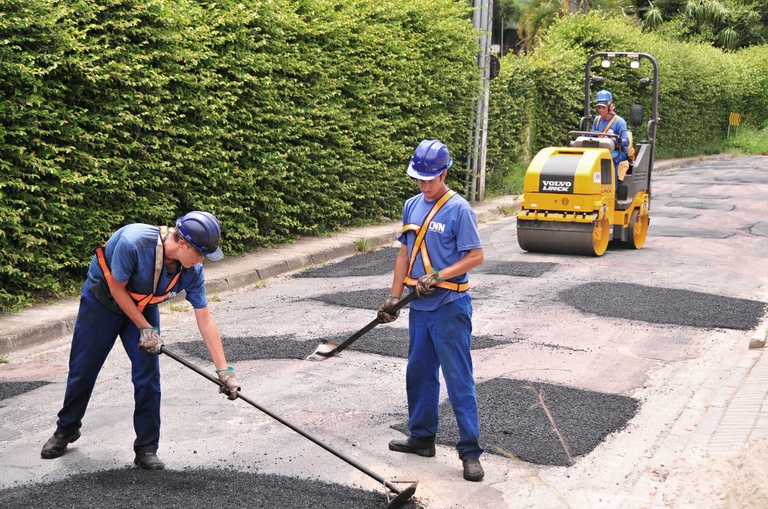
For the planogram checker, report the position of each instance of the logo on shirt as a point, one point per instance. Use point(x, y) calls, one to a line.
point(434, 226)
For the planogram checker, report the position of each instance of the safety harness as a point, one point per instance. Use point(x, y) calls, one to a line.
point(607, 127)
point(419, 246)
point(143, 300)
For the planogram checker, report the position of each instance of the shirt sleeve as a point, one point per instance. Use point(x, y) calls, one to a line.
point(124, 260)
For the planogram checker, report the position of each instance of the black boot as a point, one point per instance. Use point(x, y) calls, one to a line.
point(404, 445)
point(473, 470)
point(148, 460)
point(57, 445)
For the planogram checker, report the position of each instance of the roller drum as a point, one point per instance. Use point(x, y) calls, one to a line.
point(564, 238)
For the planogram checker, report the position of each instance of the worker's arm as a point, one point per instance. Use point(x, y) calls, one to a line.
point(401, 270)
point(119, 291)
point(212, 339)
point(472, 259)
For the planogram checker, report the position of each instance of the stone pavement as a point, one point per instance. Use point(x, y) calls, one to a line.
point(722, 416)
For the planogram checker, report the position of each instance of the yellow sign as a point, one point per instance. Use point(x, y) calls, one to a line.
point(734, 119)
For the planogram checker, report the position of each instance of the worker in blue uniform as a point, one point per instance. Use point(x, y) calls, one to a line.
point(139, 267)
point(440, 244)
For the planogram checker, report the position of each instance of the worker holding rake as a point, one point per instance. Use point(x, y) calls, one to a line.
point(440, 244)
point(139, 267)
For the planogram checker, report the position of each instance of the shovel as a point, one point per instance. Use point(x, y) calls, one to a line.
point(400, 496)
point(329, 348)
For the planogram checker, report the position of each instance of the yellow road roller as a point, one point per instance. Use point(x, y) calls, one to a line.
point(572, 202)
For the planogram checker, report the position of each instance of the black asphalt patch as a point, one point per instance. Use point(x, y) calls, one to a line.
point(384, 340)
point(253, 348)
point(382, 262)
point(373, 299)
point(665, 305)
point(361, 299)
point(514, 422)
point(191, 489)
point(393, 342)
point(522, 269)
point(375, 263)
point(12, 389)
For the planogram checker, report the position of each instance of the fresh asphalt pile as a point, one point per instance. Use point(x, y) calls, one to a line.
point(138, 489)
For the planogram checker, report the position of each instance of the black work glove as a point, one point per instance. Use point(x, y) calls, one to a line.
point(150, 340)
point(227, 377)
point(384, 316)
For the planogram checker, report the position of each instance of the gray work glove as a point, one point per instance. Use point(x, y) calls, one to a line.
point(227, 377)
point(427, 283)
point(150, 340)
point(384, 316)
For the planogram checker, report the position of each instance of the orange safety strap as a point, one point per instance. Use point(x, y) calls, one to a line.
point(142, 300)
point(607, 127)
point(419, 246)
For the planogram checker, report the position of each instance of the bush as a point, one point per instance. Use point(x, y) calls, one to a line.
point(282, 117)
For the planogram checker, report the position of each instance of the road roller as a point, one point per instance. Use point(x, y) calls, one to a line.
point(572, 202)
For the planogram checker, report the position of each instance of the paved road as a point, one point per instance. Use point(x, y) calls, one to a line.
point(637, 355)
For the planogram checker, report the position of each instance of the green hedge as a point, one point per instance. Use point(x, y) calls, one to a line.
point(538, 98)
point(290, 117)
point(282, 117)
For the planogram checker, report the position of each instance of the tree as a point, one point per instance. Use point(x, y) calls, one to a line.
point(539, 14)
point(726, 24)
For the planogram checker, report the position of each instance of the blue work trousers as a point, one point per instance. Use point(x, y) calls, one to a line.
point(96, 329)
point(441, 339)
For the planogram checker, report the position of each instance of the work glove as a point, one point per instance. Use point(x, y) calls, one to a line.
point(384, 316)
point(150, 340)
point(427, 283)
point(227, 377)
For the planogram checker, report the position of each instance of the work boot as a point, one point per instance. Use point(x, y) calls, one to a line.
point(404, 445)
point(473, 470)
point(148, 460)
point(57, 445)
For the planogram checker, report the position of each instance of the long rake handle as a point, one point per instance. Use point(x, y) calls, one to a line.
point(298, 430)
point(365, 330)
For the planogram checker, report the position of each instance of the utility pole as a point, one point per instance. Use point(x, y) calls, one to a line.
point(482, 19)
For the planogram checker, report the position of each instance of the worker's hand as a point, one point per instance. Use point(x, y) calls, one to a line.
point(227, 377)
point(427, 283)
point(384, 316)
point(150, 340)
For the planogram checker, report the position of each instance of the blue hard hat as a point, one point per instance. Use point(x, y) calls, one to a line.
point(430, 159)
point(604, 97)
point(201, 230)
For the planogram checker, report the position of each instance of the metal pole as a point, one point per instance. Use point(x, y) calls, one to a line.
point(501, 41)
point(482, 16)
point(485, 96)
